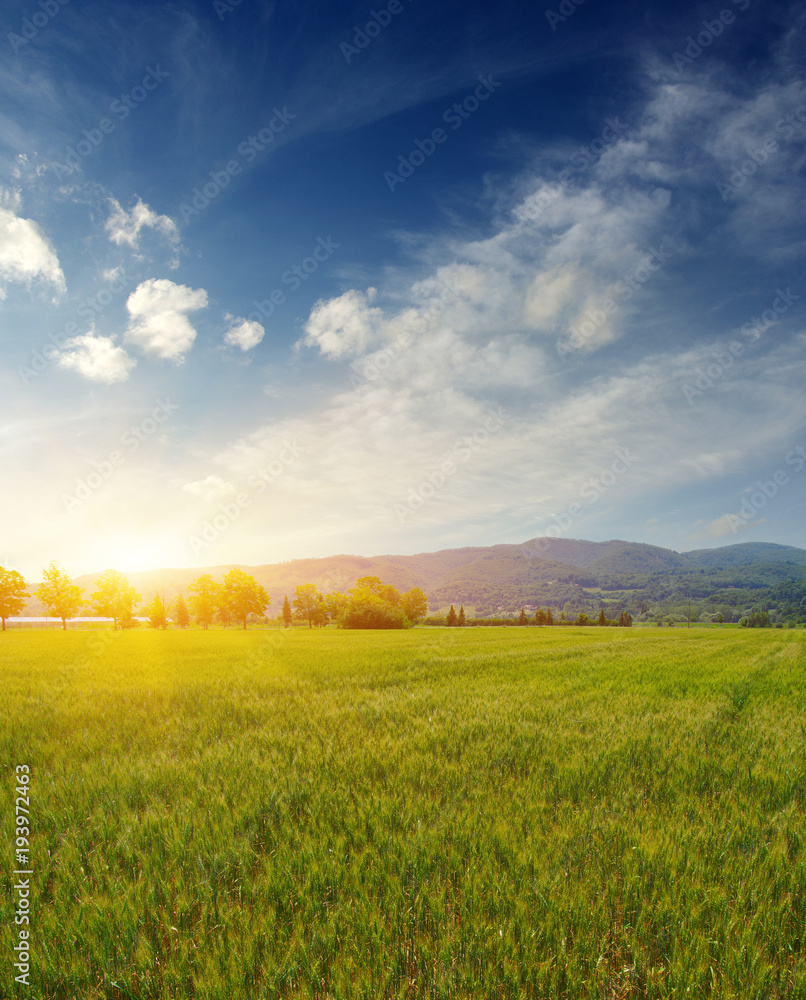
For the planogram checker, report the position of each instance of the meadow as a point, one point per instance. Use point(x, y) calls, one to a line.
point(543, 813)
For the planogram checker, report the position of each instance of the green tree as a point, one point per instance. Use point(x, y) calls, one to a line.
point(549, 617)
point(602, 617)
point(415, 604)
point(460, 621)
point(286, 611)
point(367, 609)
point(182, 613)
point(307, 599)
point(452, 618)
point(61, 597)
point(582, 619)
point(204, 599)
point(241, 595)
point(157, 616)
point(336, 605)
point(13, 591)
point(114, 598)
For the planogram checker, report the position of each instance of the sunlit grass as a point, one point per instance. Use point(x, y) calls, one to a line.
point(580, 813)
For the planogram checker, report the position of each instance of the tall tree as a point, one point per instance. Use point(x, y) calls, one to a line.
point(522, 617)
point(549, 617)
point(60, 597)
point(306, 601)
point(114, 597)
point(157, 615)
point(13, 591)
point(460, 621)
point(182, 614)
point(242, 595)
point(415, 604)
point(603, 619)
point(540, 617)
point(336, 605)
point(204, 599)
point(286, 611)
point(451, 619)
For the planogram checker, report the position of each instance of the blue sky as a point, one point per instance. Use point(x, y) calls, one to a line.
point(290, 281)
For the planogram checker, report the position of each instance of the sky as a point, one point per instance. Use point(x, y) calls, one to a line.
point(291, 280)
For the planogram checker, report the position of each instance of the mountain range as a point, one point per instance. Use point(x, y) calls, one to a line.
point(538, 572)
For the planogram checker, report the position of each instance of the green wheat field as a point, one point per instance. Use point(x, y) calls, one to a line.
point(547, 813)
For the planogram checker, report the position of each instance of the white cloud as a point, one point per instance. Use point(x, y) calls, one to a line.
point(96, 358)
point(344, 325)
point(210, 488)
point(25, 252)
point(158, 322)
point(243, 333)
point(125, 227)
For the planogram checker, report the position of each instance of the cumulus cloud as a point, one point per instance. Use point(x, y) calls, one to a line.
point(243, 333)
point(125, 227)
point(210, 488)
point(96, 358)
point(25, 252)
point(344, 325)
point(158, 323)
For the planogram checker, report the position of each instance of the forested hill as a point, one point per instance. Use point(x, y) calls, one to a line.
point(539, 572)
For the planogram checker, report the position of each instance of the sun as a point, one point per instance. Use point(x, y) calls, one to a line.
point(128, 555)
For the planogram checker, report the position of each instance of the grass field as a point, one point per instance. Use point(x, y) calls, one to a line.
point(547, 813)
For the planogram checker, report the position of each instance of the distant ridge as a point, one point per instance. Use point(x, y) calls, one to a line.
point(499, 574)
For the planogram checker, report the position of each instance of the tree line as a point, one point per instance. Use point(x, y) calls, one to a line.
point(237, 598)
